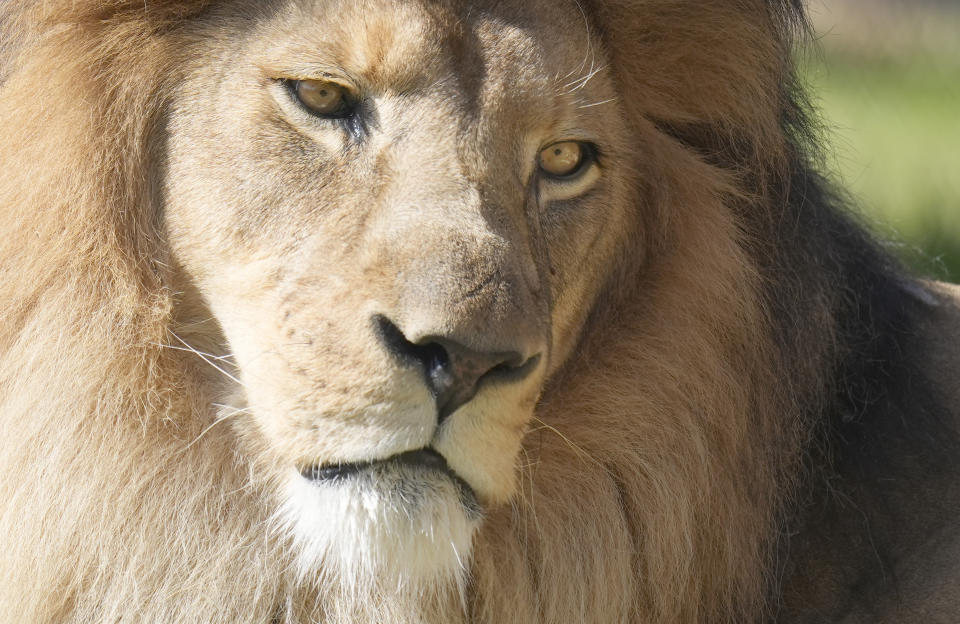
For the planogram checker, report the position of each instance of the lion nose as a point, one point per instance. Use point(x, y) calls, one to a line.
point(453, 371)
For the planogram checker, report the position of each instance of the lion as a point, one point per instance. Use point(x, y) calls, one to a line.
point(440, 311)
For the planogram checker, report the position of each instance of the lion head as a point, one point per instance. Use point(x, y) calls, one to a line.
point(403, 310)
point(399, 219)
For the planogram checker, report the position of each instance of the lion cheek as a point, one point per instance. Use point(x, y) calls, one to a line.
point(482, 443)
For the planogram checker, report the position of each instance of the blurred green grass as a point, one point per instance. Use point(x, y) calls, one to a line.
point(892, 115)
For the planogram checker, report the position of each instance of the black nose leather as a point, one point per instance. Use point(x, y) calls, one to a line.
point(452, 371)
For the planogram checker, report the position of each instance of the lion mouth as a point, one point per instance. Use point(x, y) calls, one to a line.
point(425, 459)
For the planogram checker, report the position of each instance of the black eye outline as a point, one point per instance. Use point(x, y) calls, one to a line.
point(588, 156)
point(347, 110)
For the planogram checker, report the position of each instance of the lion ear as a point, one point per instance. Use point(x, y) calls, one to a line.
point(692, 66)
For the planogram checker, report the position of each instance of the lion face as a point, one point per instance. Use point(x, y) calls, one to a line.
point(399, 214)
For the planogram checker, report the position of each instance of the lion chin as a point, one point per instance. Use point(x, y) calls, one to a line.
point(404, 521)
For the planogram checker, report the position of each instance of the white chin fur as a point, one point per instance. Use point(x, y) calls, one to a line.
point(398, 528)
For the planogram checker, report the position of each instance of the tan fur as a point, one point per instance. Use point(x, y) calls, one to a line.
point(650, 479)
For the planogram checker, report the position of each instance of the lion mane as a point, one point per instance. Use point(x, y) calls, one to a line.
point(706, 455)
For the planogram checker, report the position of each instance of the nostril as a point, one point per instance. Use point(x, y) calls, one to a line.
point(436, 364)
point(452, 370)
point(431, 356)
point(392, 338)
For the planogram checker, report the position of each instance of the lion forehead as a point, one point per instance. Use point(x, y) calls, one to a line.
point(410, 47)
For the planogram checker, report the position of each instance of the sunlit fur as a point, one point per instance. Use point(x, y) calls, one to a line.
point(652, 479)
point(374, 530)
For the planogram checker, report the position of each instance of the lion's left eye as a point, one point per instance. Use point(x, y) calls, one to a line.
point(326, 99)
point(564, 159)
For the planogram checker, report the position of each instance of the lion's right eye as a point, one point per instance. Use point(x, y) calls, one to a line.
point(322, 98)
point(566, 159)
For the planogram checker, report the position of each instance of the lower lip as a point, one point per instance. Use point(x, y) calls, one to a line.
point(424, 459)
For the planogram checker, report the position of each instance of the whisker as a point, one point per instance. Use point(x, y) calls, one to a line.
point(579, 450)
point(589, 51)
point(235, 410)
point(203, 356)
point(202, 321)
point(580, 83)
point(214, 424)
point(219, 358)
point(598, 103)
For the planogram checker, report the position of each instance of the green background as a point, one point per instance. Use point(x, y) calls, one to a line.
point(885, 75)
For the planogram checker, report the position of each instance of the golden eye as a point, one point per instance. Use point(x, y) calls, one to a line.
point(562, 159)
point(327, 99)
